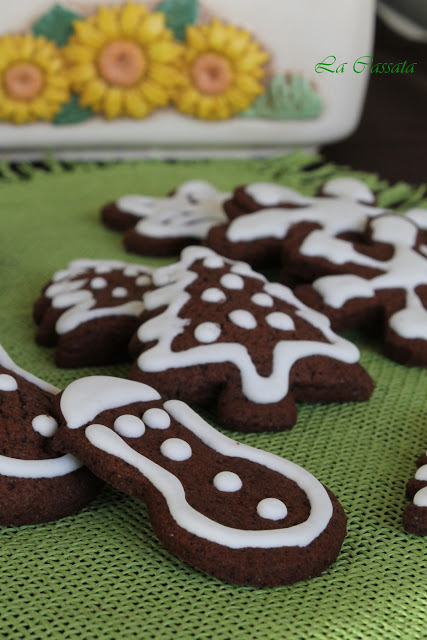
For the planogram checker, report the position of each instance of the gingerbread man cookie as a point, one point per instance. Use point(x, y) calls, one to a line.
point(90, 310)
point(265, 213)
point(35, 485)
point(383, 276)
point(164, 226)
point(216, 332)
point(228, 509)
point(415, 514)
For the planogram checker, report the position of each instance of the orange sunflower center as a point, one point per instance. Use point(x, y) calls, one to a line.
point(23, 81)
point(122, 63)
point(211, 74)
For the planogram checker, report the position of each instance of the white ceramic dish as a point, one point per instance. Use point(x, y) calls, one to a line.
point(298, 34)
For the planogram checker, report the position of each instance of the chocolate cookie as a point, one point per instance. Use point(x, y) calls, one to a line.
point(230, 510)
point(265, 213)
point(164, 226)
point(415, 514)
point(216, 332)
point(35, 485)
point(383, 276)
point(89, 311)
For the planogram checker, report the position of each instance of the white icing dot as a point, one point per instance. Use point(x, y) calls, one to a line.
point(272, 509)
point(213, 262)
point(7, 383)
point(141, 281)
point(279, 320)
point(103, 269)
point(119, 292)
point(232, 281)
point(227, 481)
point(262, 300)
point(129, 426)
point(98, 283)
point(156, 419)
point(213, 295)
point(176, 449)
point(243, 319)
point(131, 271)
point(45, 425)
point(207, 332)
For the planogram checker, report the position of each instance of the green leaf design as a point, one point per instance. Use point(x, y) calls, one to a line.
point(179, 13)
point(56, 25)
point(72, 112)
point(286, 98)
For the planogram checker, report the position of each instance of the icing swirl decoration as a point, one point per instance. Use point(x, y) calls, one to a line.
point(33, 81)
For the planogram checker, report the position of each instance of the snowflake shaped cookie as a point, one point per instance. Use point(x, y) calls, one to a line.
point(163, 226)
point(90, 310)
point(383, 276)
point(215, 331)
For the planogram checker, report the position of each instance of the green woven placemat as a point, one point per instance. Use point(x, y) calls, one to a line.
point(102, 574)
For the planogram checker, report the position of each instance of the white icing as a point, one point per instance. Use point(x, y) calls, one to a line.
point(67, 293)
point(7, 363)
point(164, 327)
point(227, 481)
point(272, 509)
point(45, 425)
point(98, 283)
point(213, 262)
point(194, 208)
point(176, 449)
point(281, 321)
point(213, 294)
point(198, 524)
point(269, 194)
point(406, 269)
point(335, 215)
point(232, 281)
point(421, 473)
point(243, 319)
point(119, 292)
point(419, 216)
point(7, 382)
point(156, 419)
point(129, 426)
point(420, 498)
point(50, 468)
point(207, 332)
point(262, 300)
point(349, 188)
point(336, 293)
point(84, 398)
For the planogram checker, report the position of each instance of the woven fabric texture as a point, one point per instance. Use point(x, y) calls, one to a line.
point(102, 573)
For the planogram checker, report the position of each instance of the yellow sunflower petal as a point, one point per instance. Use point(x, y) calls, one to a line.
point(196, 39)
point(88, 35)
point(248, 85)
point(92, 93)
point(113, 103)
point(164, 51)
point(130, 15)
point(108, 22)
point(155, 94)
point(151, 28)
point(135, 105)
point(78, 53)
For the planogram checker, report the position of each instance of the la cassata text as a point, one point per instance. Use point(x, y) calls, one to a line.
point(330, 65)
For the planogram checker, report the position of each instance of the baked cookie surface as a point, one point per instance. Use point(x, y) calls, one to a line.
point(216, 332)
point(35, 485)
point(228, 509)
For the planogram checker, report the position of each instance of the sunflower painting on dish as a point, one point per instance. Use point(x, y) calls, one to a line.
point(123, 61)
point(33, 82)
point(224, 67)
